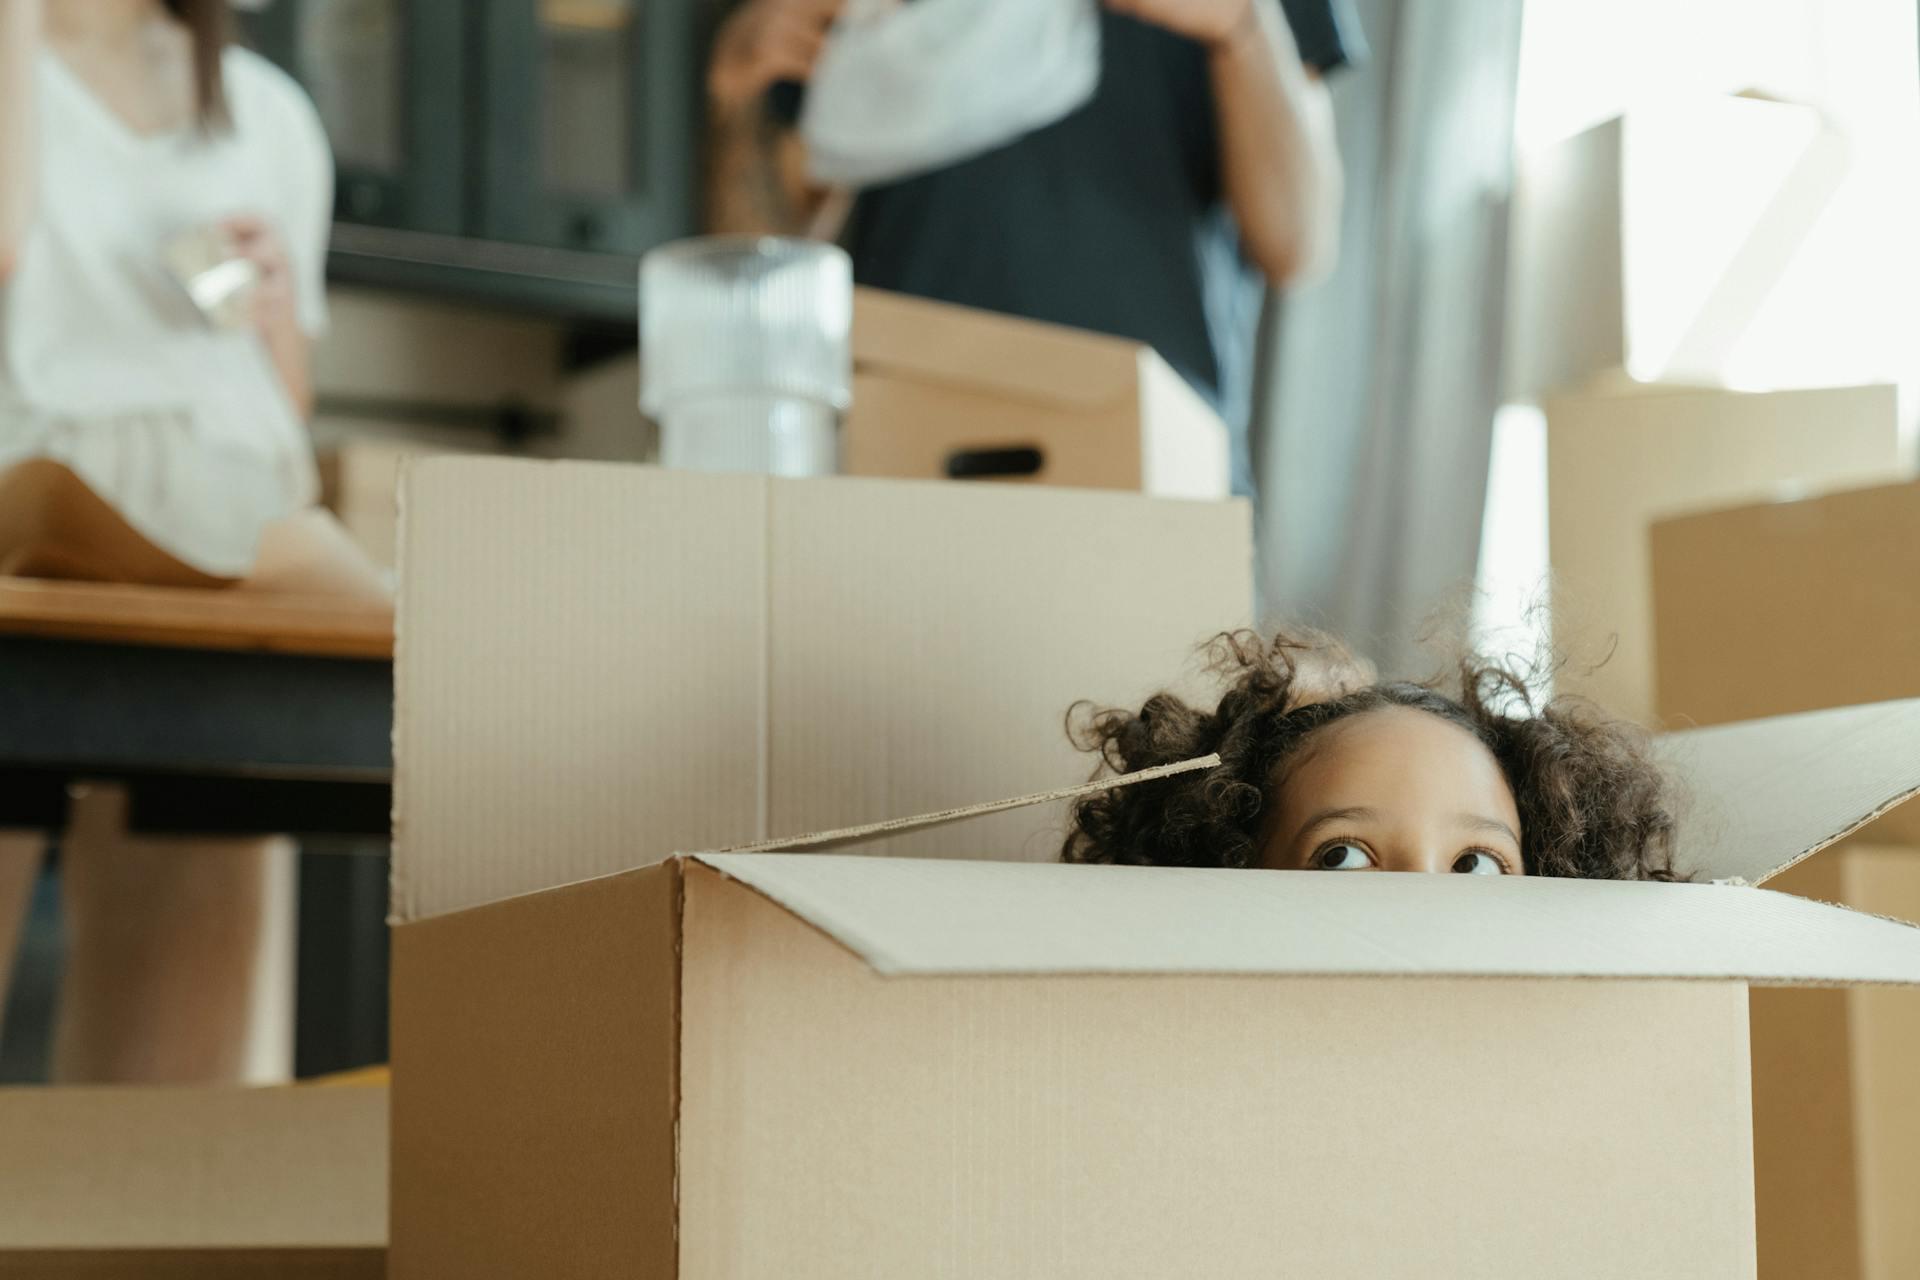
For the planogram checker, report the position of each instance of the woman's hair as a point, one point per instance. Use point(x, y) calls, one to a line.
point(1592, 803)
point(207, 22)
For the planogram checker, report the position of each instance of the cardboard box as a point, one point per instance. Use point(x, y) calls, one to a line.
point(1650, 244)
point(1773, 607)
point(1836, 1116)
point(1617, 462)
point(758, 1065)
point(612, 663)
point(1779, 607)
point(946, 392)
point(166, 1183)
point(360, 484)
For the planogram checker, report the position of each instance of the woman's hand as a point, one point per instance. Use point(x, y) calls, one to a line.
point(766, 41)
point(275, 303)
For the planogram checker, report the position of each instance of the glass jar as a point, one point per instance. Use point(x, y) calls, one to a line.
point(744, 356)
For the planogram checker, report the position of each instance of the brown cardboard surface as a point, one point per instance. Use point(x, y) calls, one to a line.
point(1836, 1116)
point(1615, 463)
point(131, 1172)
point(1788, 606)
point(835, 1123)
point(359, 483)
point(1806, 1183)
point(1760, 795)
point(535, 1084)
point(1885, 1050)
point(606, 664)
point(966, 347)
point(939, 916)
point(934, 380)
point(196, 1264)
point(1779, 607)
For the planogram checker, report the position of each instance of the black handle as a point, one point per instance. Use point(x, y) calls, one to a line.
point(994, 464)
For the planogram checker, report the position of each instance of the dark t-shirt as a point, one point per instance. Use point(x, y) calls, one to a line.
point(1110, 219)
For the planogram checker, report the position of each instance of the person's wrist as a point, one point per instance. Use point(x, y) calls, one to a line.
point(1242, 35)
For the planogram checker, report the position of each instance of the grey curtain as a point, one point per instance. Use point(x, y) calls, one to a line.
point(1374, 414)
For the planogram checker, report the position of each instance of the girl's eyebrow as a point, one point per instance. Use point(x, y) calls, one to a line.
point(1480, 822)
point(1355, 813)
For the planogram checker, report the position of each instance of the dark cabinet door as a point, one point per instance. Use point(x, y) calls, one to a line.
point(588, 114)
point(388, 80)
point(515, 152)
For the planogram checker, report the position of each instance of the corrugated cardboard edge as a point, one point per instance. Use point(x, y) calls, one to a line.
point(1857, 825)
point(399, 909)
point(1882, 778)
point(821, 840)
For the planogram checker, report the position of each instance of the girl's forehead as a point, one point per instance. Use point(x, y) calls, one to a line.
point(1402, 749)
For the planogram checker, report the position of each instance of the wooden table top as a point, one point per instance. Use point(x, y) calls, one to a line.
point(312, 626)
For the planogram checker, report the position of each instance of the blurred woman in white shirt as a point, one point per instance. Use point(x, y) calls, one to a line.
point(126, 125)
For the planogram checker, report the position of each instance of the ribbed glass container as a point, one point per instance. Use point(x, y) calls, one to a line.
point(744, 358)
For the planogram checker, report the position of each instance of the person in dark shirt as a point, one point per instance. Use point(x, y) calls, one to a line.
point(1203, 163)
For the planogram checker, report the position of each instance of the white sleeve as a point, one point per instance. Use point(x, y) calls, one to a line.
point(306, 199)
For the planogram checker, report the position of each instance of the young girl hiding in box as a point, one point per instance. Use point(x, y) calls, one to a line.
point(1325, 768)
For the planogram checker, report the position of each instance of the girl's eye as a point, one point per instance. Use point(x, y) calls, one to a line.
point(1342, 857)
point(1478, 862)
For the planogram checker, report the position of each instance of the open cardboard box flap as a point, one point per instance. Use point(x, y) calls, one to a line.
point(1764, 795)
point(598, 666)
point(907, 917)
point(1761, 795)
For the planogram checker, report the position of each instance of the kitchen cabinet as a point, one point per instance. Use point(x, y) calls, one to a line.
point(523, 152)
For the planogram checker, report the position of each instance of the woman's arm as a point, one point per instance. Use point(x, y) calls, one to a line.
point(1278, 158)
point(20, 22)
point(276, 313)
point(1279, 162)
point(756, 166)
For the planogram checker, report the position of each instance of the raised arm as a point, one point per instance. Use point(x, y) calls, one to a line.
point(1278, 157)
point(1279, 162)
point(20, 22)
point(756, 165)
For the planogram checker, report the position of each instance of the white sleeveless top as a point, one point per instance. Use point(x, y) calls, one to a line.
point(106, 365)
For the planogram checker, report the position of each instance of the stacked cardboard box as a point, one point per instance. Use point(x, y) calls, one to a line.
point(612, 1060)
point(1618, 460)
point(1786, 606)
point(1635, 261)
point(945, 392)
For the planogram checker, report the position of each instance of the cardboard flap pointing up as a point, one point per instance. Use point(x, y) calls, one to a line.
point(1762, 795)
point(911, 916)
point(821, 840)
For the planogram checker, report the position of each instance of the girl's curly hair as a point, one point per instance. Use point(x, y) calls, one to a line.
point(1592, 802)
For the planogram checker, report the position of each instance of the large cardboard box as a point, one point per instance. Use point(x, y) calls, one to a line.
point(1787, 606)
point(167, 1184)
point(1650, 245)
point(1770, 607)
point(1617, 462)
point(742, 1067)
point(360, 484)
point(755, 1065)
point(616, 662)
point(946, 392)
